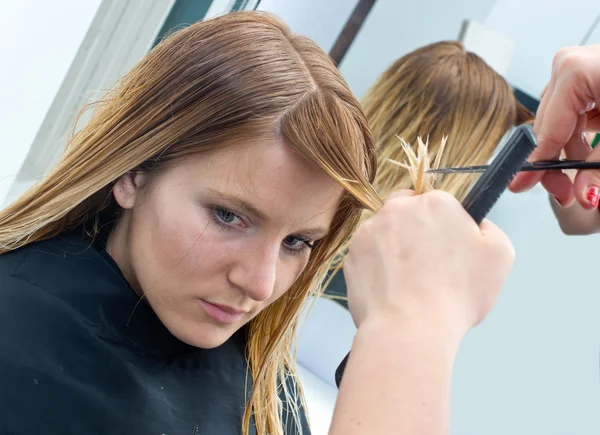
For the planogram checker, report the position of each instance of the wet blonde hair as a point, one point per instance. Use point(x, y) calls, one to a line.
point(243, 75)
point(435, 91)
point(439, 90)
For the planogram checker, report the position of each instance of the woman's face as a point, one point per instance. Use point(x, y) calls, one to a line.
point(216, 238)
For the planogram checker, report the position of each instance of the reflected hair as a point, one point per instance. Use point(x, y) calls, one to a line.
point(435, 91)
point(236, 77)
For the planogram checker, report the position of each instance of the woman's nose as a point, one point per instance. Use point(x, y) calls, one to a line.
point(255, 272)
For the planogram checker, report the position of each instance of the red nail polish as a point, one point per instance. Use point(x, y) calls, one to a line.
point(593, 196)
point(558, 200)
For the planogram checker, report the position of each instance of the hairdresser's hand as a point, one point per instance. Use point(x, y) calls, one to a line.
point(420, 274)
point(566, 111)
point(423, 257)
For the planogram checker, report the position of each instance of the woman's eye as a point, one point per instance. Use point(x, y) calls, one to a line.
point(226, 217)
point(295, 243)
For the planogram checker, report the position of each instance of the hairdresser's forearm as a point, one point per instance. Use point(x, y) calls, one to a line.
point(397, 379)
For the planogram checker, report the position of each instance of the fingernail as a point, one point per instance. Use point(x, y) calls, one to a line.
point(593, 195)
point(590, 106)
point(557, 200)
point(584, 138)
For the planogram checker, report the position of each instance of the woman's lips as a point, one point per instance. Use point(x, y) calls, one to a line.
point(222, 313)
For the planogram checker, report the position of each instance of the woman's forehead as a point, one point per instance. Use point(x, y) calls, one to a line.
point(271, 177)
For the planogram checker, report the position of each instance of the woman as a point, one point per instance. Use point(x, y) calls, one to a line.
point(153, 280)
point(435, 91)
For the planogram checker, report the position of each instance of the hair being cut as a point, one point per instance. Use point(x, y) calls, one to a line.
point(437, 91)
point(239, 76)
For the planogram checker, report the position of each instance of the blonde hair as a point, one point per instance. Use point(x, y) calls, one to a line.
point(437, 91)
point(243, 75)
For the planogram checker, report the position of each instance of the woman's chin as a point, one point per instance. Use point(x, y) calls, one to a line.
point(205, 335)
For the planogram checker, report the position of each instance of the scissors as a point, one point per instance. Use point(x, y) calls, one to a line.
point(549, 165)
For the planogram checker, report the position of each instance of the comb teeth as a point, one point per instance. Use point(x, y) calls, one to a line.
point(494, 181)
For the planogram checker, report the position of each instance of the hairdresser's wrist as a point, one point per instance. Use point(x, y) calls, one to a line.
point(398, 377)
point(436, 327)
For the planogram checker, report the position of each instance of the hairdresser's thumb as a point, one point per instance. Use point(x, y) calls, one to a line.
point(587, 183)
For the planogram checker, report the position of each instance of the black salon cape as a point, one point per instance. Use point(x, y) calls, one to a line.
point(337, 287)
point(75, 360)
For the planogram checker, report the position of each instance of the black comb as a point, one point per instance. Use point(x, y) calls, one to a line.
point(489, 187)
point(494, 181)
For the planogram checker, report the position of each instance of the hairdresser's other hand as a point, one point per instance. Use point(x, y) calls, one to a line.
point(423, 258)
point(567, 110)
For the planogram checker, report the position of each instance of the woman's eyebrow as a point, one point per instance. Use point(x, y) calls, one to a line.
point(316, 233)
point(245, 206)
point(248, 208)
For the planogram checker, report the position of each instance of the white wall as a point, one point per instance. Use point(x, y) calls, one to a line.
point(39, 41)
point(318, 19)
point(594, 37)
point(540, 28)
point(532, 367)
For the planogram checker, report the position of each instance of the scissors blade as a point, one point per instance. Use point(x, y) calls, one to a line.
point(459, 170)
point(551, 165)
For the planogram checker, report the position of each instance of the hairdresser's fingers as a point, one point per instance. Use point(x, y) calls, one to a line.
point(560, 186)
point(551, 139)
point(586, 186)
point(572, 95)
point(541, 110)
point(577, 148)
point(525, 180)
point(593, 120)
point(587, 183)
point(571, 98)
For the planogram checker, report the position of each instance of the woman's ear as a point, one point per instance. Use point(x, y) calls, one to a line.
point(127, 189)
